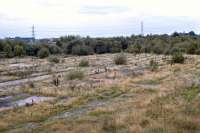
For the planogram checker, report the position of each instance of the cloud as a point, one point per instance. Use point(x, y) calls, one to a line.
point(102, 10)
point(104, 17)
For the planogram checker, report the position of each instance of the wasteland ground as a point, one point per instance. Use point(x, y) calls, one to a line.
point(128, 98)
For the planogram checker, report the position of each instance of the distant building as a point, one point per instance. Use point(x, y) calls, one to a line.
point(34, 41)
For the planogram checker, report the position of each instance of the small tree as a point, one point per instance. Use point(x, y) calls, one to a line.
point(44, 52)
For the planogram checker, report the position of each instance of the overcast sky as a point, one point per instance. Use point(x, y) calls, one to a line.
point(53, 18)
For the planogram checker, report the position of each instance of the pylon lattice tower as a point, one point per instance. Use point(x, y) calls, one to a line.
point(33, 33)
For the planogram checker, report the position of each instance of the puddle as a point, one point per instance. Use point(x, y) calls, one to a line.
point(20, 100)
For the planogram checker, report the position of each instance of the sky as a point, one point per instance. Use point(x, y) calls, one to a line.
point(97, 18)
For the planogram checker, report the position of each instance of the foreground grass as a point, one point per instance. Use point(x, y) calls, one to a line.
point(39, 113)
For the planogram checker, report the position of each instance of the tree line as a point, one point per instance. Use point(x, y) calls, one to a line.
point(188, 43)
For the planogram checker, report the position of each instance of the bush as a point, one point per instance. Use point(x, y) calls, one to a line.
point(75, 74)
point(135, 49)
point(54, 59)
point(82, 50)
point(178, 58)
point(19, 50)
point(120, 59)
point(54, 49)
point(44, 52)
point(153, 65)
point(84, 63)
point(8, 51)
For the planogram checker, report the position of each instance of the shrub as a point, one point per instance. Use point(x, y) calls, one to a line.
point(54, 49)
point(174, 50)
point(153, 65)
point(84, 63)
point(42, 53)
point(54, 59)
point(158, 48)
point(120, 59)
point(19, 50)
point(8, 51)
point(178, 58)
point(82, 50)
point(75, 74)
point(135, 49)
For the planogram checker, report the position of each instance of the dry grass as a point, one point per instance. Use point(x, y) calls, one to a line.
point(172, 107)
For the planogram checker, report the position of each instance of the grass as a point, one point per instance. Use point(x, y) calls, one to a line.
point(176, 110)
point(41, 112)
point(174, 107)
point(101, 112)
point(190, 93)
point(153, 81)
